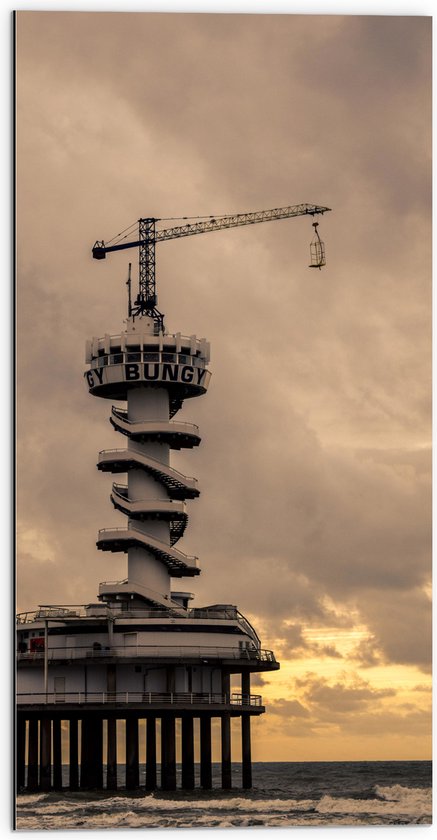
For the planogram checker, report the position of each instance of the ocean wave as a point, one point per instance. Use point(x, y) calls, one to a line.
point(395, 800)
point(69, 804)
point(388, 804)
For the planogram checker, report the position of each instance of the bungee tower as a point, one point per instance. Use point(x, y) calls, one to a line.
point(141, 672)
point(153, 374)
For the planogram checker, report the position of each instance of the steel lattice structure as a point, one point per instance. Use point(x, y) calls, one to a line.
point(146, 301)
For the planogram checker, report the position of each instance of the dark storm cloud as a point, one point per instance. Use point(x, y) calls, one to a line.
point(291, 644)
point(314, 467)
point(339, 698)
point(288, 708)
point(366, 653)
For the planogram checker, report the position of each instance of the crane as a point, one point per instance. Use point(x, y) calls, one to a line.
point(148, 236)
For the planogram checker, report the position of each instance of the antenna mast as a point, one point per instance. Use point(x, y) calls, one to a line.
point(129, 298)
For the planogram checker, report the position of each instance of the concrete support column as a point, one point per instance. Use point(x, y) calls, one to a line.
point(91, 767)
point(205, 752)
point(32, 756)
point(73, 749)
point(168, 752)
point(132, 753)
point(151, 754)
point(188, 752)
point(226, 752)
point(85, 749)
point(97, 753)
point(20, 750)
point(57, 755)
point(111, 754)
point(246, 750)
point(45, 779)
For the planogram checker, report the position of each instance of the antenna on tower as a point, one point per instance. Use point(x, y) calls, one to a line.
point(129, 297)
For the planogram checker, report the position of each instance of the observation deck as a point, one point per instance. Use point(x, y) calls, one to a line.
point(136, 357)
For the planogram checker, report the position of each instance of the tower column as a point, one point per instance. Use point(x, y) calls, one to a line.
point(205, 752)
point(143, 566)
point(151, 753)
point(168, 752)
point(74, 753)
point(32, 756)
point(132, 754)
point(187, 752)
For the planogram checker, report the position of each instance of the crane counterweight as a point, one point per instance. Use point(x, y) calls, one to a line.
point(99, 252)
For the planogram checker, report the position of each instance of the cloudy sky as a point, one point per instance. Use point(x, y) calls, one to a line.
point(314, 467)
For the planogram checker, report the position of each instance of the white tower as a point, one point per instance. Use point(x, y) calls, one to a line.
point(153, 374)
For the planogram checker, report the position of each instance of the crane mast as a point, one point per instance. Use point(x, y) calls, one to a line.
point(148, 236)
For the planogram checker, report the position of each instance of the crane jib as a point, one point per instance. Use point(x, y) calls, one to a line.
point(240, 219)
point(100, 249)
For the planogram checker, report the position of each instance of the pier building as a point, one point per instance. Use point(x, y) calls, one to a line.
point(142, 651)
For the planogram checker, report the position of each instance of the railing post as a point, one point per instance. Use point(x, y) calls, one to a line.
point(127, 696)
point(191, 698)
point(150, 697)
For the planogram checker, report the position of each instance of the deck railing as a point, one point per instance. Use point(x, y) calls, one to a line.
point(164, 357)
point(121, 414)
point(147, 652)
point(147, 698)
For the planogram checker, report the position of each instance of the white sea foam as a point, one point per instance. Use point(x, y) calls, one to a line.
point(389, 804)
point(149, 802)
point(396, 800)
point(31, 798)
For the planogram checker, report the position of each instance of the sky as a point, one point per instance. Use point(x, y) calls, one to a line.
point(314, 468)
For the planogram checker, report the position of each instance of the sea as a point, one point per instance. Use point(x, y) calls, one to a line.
point(357, 793)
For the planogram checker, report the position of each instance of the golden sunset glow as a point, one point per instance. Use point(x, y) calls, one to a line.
point(315, 469)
